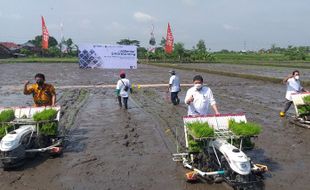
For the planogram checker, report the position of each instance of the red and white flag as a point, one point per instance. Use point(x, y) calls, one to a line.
point(45, 35)
point(169, 41)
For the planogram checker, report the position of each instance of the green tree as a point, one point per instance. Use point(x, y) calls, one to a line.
point(179, 50)
point(129, 42)
point(201, 46)
point(141, 53)
point(162, 42)
point(295, 53)
point(54, 51)
point(69, 44)
point(37, 41)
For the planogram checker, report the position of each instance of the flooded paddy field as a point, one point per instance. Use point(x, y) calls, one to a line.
point(111, 148)
point(267, 71)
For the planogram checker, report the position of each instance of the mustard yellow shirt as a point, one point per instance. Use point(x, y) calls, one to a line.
point(41, 96)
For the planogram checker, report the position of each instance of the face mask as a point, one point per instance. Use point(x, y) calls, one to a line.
point(296, 77)
point(40, 82)
point(198, 86)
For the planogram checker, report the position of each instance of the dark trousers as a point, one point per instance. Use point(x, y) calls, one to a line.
point(174, 98)
point(287, 106)
point(125, 101)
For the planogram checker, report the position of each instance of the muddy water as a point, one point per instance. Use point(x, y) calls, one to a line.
point(277, 72)
point(110, 148)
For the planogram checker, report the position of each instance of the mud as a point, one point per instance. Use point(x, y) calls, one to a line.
point(111, 148)
point(267, 71)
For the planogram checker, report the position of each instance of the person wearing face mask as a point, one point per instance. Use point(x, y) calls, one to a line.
point(174, 88)
point(43, 94)
point(123, 87)
point(199, 97)
point(292, 86)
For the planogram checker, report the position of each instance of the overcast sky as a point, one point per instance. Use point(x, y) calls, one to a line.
point(223, 24)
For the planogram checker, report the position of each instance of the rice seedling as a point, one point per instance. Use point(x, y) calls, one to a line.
point(7, 116)
point(244, 129)
point(46, 115)
point(306, 99)
point(200, 130)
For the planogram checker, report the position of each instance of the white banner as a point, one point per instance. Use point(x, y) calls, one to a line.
point(108, 56)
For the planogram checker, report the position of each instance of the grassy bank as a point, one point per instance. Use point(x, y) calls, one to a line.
point(223, 73)
point(40, 60)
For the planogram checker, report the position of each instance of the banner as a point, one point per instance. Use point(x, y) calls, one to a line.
point(108, 56)
point(169, 41)
point(45, 35)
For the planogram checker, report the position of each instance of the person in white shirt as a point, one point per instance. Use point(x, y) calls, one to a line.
point(123, 88)
point(293, 86)
point(199, 97)
point(174, 88)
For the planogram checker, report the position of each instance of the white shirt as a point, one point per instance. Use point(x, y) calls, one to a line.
point(202, 99)
point(120, 86)
point(293, 86)
point(175, 83)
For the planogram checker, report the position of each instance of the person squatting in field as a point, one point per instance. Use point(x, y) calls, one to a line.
point(174, 88)
point(123, 87)
point(199, 97)
point(43, 94)
point(292, 86)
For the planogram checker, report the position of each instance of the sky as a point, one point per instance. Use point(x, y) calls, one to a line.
point(222, 24)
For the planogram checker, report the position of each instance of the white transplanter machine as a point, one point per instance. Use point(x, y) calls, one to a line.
point(25, 139)
point(220, 160)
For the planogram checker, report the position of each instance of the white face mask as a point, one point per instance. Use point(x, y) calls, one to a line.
point(198, 86)
point(296, 77)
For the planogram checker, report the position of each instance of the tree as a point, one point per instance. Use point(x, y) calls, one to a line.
point(141, 52)
point(179, 49)
point(37, 41)
point(295, 53)
point(69, 44)
point(201, 46)
point(162, 42)
point(54, 51)
point(129, 42)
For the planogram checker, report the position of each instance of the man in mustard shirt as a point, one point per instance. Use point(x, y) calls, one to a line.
point(43, 94)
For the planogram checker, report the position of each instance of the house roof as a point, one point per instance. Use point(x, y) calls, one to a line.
point(10, 45)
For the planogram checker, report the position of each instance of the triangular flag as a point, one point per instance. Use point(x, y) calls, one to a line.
point(169, 41)
point(45, 35)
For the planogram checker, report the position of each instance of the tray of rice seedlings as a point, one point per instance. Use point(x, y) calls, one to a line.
point(195, 146)
point(200, 129)
point(247, 144)
point(47, 125)
point(49, 128)
point(7, 116)
point(303, 109)
point(307, 99)
point(244, 129)
point(4, 128)
point(46, 115)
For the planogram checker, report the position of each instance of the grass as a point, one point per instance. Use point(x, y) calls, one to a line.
point(7, 116)
point(46, 115)
point(244, 129)
point(200, 130)
point(306, 99)
point(40, 60)
point(255, 57)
